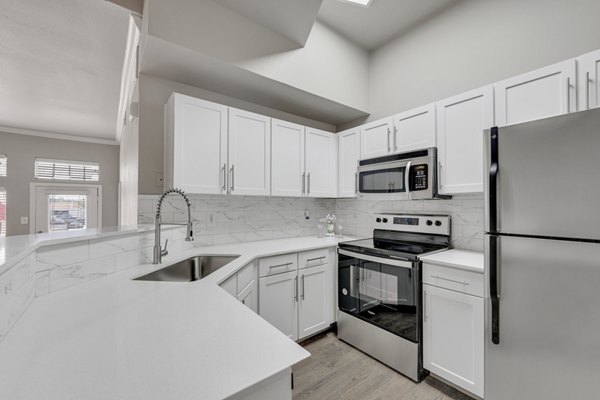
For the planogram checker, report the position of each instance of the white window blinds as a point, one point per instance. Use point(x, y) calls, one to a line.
point(2, 211)
point(2, 165)
point(66, 170)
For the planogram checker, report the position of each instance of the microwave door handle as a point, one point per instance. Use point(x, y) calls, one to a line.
point(407, 179)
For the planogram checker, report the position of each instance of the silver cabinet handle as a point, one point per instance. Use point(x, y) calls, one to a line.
point(440, 184)
point(587, 90)
point(296, 288)
point(568, 94)
point(388, 139)
point(280, 265)
point(232, 173)
point(314, 259)
point(407, 179)
point(450, 280)
point(308, 183)
point(424, 306)
point(395, 138)
point(356, 183)
point(224, 186)
point(302, 279)
point(303, 182)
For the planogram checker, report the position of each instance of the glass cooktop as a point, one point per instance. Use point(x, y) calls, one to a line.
point(387, 248)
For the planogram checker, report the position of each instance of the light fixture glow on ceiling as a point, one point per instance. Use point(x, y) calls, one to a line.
point(362, 3)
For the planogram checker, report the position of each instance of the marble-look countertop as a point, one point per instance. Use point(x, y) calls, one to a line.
point(115, 338)
point(455, 258)
point(15, 248)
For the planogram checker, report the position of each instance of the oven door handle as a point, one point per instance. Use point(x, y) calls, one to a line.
point(407, 179)
point(381, 260)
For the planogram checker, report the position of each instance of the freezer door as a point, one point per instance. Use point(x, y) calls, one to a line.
point(549, 320)
point(548, 177)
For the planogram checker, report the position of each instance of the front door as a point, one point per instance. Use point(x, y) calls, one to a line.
point(65, 208)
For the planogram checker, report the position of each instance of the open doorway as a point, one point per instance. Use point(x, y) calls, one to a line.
point(60, 207)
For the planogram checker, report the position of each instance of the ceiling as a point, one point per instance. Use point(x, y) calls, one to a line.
point(291, 18)
point(62, 62)
point(382, 21)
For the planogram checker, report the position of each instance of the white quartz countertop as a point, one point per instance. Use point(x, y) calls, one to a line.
point(115, 338)
point(462, 259)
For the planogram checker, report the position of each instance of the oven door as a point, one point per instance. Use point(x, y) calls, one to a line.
point(379, 291)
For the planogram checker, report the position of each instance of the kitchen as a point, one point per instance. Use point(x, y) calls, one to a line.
point(346, 224)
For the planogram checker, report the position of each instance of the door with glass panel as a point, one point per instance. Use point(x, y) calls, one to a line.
point(65, 208)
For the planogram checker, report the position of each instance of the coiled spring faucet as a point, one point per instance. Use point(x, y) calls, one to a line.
point(158, 251)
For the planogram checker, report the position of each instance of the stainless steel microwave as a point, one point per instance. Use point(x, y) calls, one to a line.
point(408, 176)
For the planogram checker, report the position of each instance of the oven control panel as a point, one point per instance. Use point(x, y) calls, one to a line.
point(436, 224)
point(419, 177)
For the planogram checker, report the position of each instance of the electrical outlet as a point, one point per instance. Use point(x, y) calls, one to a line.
point(24, 220)
point(306, 214)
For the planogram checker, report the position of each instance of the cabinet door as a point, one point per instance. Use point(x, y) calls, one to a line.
point(376, 138)
point(321, 163)
point(589, 73)
point(287, 159)
point(348, 156)
point(278, 302)
point(453, 334)
point(460, 123)
point(542, 93)
point(249, 153)
point(199, 145)
point(249, 296)
point(315, 297)
point(414, 129)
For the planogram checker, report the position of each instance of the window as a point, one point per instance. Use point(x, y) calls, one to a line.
point(2, 212)
point(3, 165)
point(67, 212)
point(66, 170)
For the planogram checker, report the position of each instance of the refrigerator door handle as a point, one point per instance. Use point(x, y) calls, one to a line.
point(494, 291)
point(493, 183)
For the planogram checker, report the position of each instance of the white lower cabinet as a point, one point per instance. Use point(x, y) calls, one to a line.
point(278, 302)
point(243, 286)
point(298, 302)
point(453, 336)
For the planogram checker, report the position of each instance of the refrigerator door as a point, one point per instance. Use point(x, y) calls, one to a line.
point(549, 319)
point(548, 177)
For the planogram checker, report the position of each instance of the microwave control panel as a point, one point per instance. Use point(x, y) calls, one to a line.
point(419, 177)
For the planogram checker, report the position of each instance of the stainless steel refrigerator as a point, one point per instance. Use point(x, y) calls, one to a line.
point(542, 247)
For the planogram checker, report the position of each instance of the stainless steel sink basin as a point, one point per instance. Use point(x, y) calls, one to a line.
point(188, 270)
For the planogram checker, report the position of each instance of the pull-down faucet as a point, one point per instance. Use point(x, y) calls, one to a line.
point(158, 251)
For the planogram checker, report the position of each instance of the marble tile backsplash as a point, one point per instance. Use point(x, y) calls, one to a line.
point(223, 220)
point(466, 211)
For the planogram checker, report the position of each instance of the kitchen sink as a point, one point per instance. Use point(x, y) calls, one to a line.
point(190, 269)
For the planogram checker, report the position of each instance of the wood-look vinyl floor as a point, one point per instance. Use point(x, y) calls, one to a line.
point(338, 371)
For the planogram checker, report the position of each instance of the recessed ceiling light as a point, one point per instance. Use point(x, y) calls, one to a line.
point(362, 3)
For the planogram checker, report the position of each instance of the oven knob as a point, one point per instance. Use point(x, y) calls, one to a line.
point(438, 223)
point(385, 220)
point(378, 220)
point(429, 222)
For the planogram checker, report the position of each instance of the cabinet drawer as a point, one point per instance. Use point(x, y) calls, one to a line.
point(277, 264)
point(245, 276)
point(313, 258)
point(454, 279)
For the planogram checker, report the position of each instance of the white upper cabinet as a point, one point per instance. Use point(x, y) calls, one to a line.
point(376, 138)
point(589, 73)
point(414, 129)
point(542, 93)
point(460, 123)
point(287, 159)
point(320, 163)
point(348, 156)
point(249, 153)
point(196, 145)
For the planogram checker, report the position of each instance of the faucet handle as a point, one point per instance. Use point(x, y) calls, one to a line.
point(164, 251)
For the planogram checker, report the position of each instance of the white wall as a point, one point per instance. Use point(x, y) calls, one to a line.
point(328, 65)
point(476, 43)
point(21, 151)
point(154, 93)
